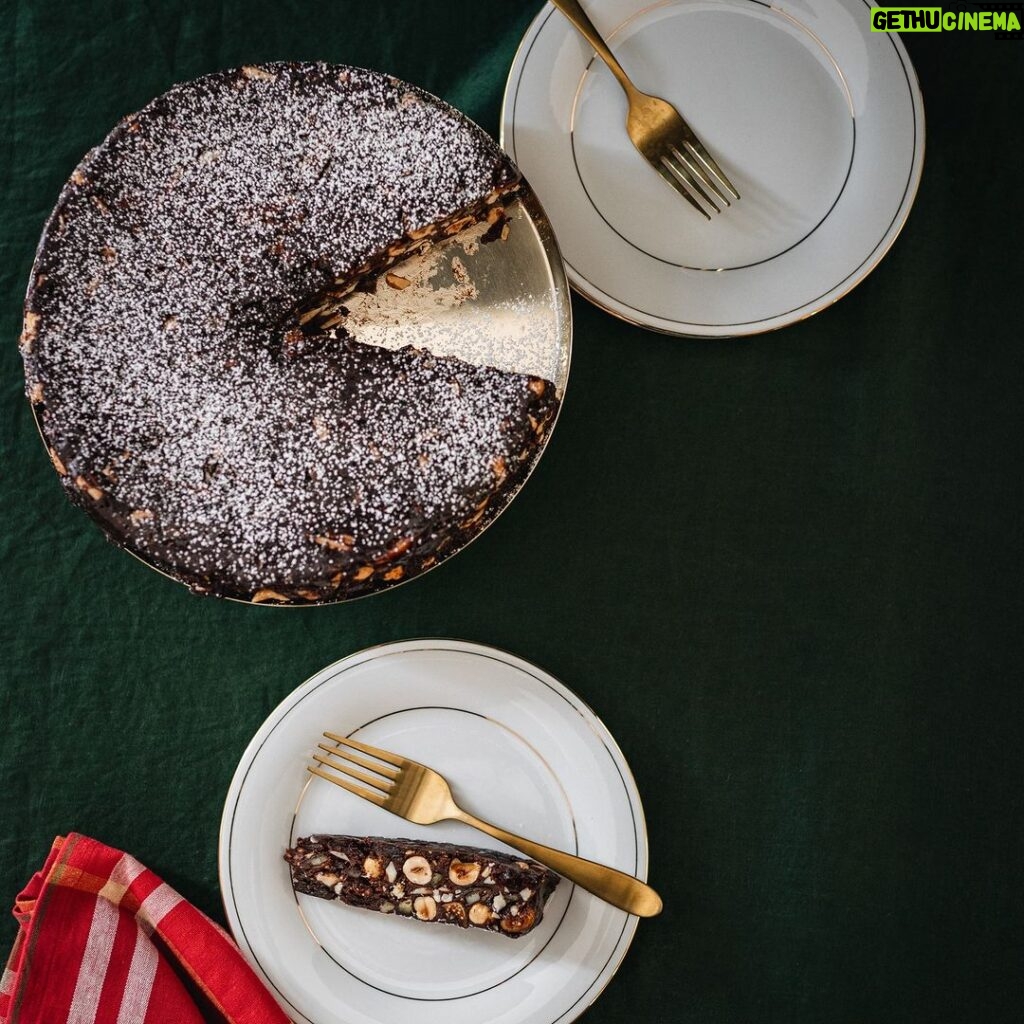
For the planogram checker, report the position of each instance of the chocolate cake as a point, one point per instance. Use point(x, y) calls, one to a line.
point(186, 353)
point(439, 882)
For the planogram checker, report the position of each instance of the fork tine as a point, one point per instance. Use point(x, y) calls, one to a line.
point(698, 150)
point(675, 184)
point(694, 163)
point(381, 755)
point(366, 794)
point(384, 787)
point(684, 167)
point(380, 769)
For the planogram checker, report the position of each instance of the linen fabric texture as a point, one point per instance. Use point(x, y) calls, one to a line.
point(103, 940)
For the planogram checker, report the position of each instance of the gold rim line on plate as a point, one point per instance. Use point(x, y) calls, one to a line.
point(591, 719)
point(487, 718)
point(864, 271)
point(545, 248)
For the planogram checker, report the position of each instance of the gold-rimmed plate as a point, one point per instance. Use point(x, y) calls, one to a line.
point(817, 120)
point(520, 748)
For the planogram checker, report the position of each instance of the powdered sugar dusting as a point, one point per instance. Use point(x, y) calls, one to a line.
point(177, 250)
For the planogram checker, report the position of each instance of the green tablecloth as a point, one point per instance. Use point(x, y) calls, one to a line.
point(785, 571)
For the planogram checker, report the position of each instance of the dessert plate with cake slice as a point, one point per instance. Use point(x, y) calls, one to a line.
point(817, 120)
point(295, 333)
point(517, 746)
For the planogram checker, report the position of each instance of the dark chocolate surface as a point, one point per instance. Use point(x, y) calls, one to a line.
point(154, 338)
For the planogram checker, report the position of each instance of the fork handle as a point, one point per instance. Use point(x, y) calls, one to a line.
point(572, 10)
point(615, 887)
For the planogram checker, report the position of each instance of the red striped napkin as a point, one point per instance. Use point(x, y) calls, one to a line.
point(103, 940)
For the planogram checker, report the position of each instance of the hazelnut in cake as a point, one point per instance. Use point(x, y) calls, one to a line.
point(186, 352)
point(439, 882)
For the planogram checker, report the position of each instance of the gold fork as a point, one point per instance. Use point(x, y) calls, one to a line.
point(658, 131)
point(419, 794)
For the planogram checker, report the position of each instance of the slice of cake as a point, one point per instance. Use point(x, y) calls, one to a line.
point(439, 882)
point(185, 351)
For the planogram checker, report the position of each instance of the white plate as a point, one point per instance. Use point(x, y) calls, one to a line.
point(518, 748)
point(817, 120)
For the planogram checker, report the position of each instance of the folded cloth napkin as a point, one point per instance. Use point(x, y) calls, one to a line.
point(102, 939)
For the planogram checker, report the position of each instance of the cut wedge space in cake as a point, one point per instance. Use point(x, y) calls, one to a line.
point(202, 385)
